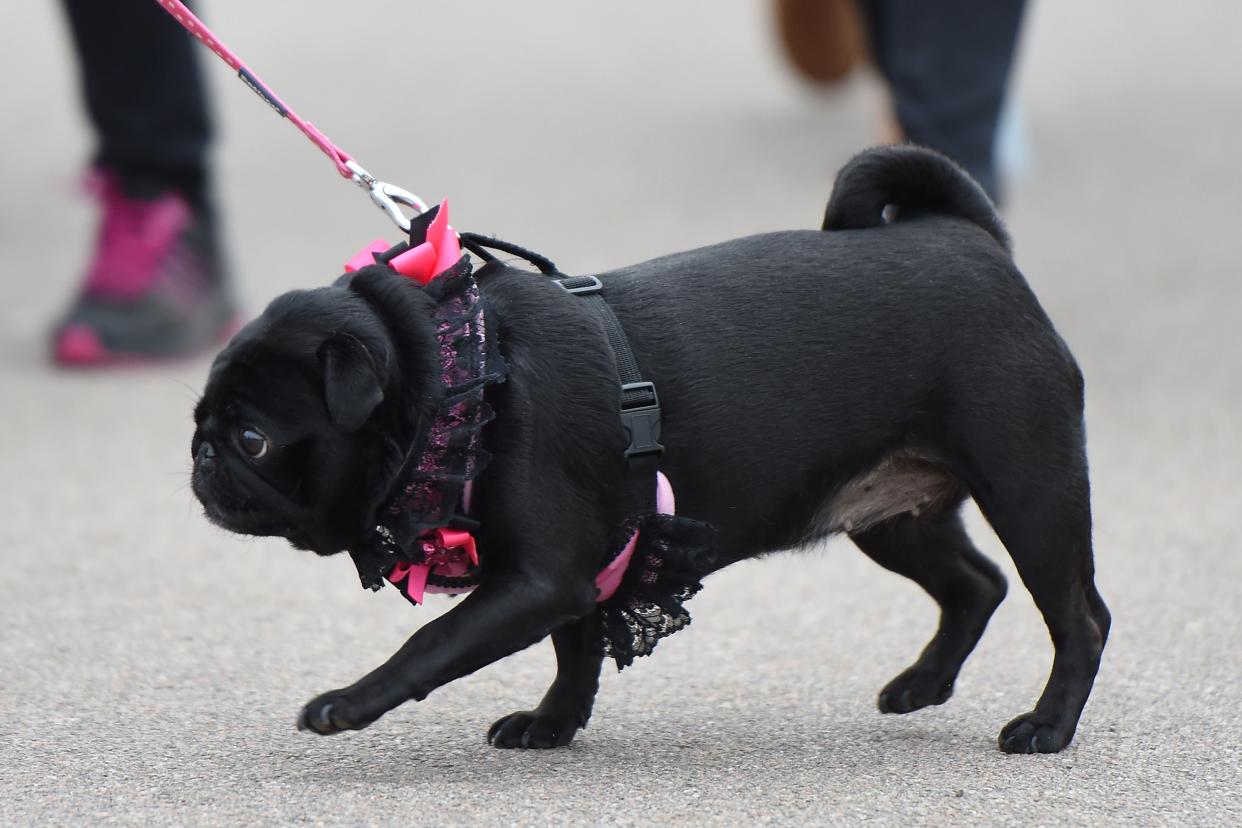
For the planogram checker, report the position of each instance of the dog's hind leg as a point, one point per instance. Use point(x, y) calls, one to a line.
point(1027, 470)
point(1043, 517)
point(934, 551)
point(566, 707)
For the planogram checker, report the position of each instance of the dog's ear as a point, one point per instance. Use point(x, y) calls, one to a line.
point(353, 384)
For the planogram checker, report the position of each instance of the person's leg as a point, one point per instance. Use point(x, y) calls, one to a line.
point(144, 92)
point(155, 286)
point(948, 64)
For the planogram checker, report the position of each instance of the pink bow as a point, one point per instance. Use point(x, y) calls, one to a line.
point(450, 550)
point(423, 263)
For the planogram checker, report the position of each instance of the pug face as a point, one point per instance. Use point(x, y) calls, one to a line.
point(288, 435)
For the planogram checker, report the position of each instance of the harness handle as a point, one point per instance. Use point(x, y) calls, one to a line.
point(482, 246)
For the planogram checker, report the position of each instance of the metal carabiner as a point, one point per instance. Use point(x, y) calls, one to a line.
point(388, 197)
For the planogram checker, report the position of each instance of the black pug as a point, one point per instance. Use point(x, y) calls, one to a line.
point(864, 379)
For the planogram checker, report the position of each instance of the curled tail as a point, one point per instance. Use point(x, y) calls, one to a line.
point(913, 180)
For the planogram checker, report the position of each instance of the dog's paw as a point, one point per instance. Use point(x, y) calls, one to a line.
point(914, 690)
point(1027, 734)
point(532, 729)
point(331, 713)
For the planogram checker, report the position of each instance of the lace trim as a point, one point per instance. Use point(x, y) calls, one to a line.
point(449, 454)
point(672, 556)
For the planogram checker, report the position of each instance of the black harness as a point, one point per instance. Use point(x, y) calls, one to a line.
point(639, 404)
point(665, 557)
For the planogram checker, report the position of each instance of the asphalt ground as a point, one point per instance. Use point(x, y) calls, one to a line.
point(151, 666)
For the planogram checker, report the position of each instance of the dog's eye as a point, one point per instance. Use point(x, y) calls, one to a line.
point(253, 443)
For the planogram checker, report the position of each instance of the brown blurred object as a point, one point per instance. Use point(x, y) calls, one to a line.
point(824, 39)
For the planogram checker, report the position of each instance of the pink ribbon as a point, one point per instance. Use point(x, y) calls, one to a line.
point(423, 262)
point(450, 550)
point(415, 576)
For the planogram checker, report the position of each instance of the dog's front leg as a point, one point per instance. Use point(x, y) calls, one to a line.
point(566, 707)
point(499, 618)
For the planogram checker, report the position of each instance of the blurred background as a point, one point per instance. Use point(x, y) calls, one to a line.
point(151, 666)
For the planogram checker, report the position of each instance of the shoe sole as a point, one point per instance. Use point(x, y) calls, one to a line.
point(78, 346)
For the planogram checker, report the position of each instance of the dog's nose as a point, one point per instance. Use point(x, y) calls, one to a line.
point(206, 454)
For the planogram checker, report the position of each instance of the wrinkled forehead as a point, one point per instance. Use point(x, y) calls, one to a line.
point(273, 363)
point(279, 382)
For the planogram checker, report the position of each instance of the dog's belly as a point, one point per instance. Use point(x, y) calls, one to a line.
point(898, 484)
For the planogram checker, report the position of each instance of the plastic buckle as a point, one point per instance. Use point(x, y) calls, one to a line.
point(591, 285)
point(641, 420)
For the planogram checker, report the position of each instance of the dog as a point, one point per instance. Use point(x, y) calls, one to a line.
point(866, 378)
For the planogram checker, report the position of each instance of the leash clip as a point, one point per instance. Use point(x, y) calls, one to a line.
point(388, 197)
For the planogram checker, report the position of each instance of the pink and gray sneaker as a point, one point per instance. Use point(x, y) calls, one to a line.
point(156, 287)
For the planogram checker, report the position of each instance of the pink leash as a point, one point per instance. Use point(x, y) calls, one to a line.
point(388, 197)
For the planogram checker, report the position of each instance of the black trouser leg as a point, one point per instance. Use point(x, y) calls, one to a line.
point(947, 64)
point(144, 92)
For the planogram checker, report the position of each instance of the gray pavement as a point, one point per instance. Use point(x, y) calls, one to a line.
point(151, 666)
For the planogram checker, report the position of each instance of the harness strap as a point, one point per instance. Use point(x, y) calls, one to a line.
point(640, 405)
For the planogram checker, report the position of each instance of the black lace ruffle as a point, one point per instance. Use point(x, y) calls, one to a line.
point(671, 558)
point(449, 454)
